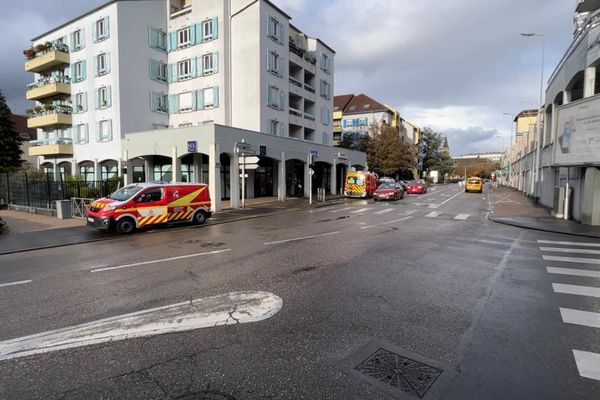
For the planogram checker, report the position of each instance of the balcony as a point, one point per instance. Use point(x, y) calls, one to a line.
point(47, 60)
point(309, 116)
point(48, 87)
point(54, 148)
point(61, 115)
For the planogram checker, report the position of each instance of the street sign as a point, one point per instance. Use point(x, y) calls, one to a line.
point(311, 172)
point(250, 166)
point(249, 160)
point(263, 150)
point(192, 146)
point(243, 176)
point(314, 153)
point(242, 146)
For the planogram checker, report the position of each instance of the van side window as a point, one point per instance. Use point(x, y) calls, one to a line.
point(150, 196)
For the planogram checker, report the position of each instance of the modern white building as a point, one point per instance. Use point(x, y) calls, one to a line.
point(151, 67)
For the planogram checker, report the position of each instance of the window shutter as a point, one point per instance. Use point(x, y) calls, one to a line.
point(84, 99)
point(83, 71)
point(109, 96)
point(215, 61)
point(269, 96)
point(150, 36)
point(280, 129)
point(281, 32)
point(95, 66)
point(281, 101)
point(215, 28)
point(94, 32)
point(198, 29)
point(110, 133)
point(97, 99)
point(107, 62)
point(192, 33)
point(98, 132)
point(200, 99)
point(172, 41)
point(152, 101)
point(171, 103)
point(194, 102)
point(172, 73)
point(152, 67)
point(280, 67)
point(82, 38)
point(269, 67)
point(107, 25)
point(216, 96)
point(193, 66)
point(269, 29)
point(73, 72)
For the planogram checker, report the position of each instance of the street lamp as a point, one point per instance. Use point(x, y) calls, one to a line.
point(536, 174)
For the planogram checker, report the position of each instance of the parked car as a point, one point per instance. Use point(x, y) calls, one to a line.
point(417, 187)
point(386, 179)
point(388, 191)
point(474, 184)
point(146, 204)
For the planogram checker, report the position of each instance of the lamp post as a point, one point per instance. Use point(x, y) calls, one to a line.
point(536, 174)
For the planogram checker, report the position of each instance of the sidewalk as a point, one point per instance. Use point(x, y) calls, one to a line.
point(34, 231)
point(511, 207)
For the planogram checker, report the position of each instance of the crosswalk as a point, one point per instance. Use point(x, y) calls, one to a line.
point(363, 209)
point(588, 363)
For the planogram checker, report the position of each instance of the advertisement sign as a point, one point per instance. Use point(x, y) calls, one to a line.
point(578, 133)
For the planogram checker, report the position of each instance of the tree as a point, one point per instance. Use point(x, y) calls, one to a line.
point(10, 140)
point(435, 159)
point(387, 154)
point(355, 141)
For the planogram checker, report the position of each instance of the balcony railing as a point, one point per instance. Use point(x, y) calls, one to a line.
point(295, 82)
point(309, 116)
point(48, 142)
point(309, 88)
point(295, 112)
point(49, 115)
point(47, 81)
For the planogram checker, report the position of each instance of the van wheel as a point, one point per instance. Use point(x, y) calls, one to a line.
point(125, 226)
point(200, 217)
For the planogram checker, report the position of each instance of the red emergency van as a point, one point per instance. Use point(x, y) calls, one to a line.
point(144, 204)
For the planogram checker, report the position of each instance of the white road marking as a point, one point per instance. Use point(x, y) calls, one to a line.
point(588, 364)
point(302, 238)
point(225, 309)
point(341, 209)
point(445, 201)
point(569, 243)
point(571, 251)
point(492, 242)
point(386, 223)
point(572, 259)
point(322, 209)
point(462, 216)
point(408, 212)
point(433, 214)
point(159, 261)
point(14, 283)
point(387, 210)
point(361, 210)
point(574, 272)
point(576, 290)
point(578, 317)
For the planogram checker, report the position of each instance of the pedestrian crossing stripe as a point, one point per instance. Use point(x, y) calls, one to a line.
point(462, 216)
point(387, 210)
point(433, 214)
point(576, 290)
point(588, 364)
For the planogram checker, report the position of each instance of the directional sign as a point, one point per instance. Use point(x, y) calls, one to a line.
point(250, 166)
point(243, 176)
point(314, 153)
point(249, 160)
point(243, 146)
point(311, 172)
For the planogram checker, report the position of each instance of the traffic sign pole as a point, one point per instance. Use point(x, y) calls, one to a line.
point(243, 180)
point(310, 178)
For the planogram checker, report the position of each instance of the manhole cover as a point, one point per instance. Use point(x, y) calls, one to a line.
point(400, 372)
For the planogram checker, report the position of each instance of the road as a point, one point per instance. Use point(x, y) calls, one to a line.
point(464, 308)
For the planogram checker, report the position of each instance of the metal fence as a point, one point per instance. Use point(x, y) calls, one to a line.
point(36, 190)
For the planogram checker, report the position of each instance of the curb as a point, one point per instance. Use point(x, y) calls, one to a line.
point(514, 224)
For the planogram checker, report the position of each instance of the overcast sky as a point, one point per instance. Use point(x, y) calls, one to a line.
point(454, 65)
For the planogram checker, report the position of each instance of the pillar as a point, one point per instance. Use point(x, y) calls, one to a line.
point(56, 172)
point(566, 94)
point(128, 178)
point(74, 170)
point(97, 171)
point(148, 170)
point(214, 177)
point(234, 180)
point(590, 210)
point(281, 182)
point(589, 81)
point(333, 183)
point(197, 160)
point(175, 166)
point(307, 177)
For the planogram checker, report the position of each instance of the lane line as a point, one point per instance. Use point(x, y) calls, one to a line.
point(491, 242)
point(445, 201)
point(576, 290)
point(569, 243)
point(159, 261)
point(570, 251)
point(462, 216)
point(578, 317)
point(574, 272)
point(302, 238)
point(387, 210)
point(341, 209)
point(408, 212)
point(588, 364)
point(14, 283)
point(433, 214)
point(361, 210)
point(386, 223)
point(572, 259)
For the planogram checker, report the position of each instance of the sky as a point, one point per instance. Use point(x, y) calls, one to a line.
point(456, 66)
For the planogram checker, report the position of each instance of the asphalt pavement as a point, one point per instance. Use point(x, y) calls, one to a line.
point(420, 298)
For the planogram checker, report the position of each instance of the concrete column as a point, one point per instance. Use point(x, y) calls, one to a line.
point(590, 210)
point(128, 178)
point(214, 177)
point(97, 171)
point(334, 177)
point(201, 169)
point(197, 160)
point(566, 96)
point(281, 182)
point(176, 166)
point(589, 81)
point(307, 177)
point(56, 172)
point(234, 181)
point(74, 167)
point(148, 170)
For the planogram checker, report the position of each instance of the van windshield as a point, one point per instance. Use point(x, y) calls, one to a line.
point(125, 193)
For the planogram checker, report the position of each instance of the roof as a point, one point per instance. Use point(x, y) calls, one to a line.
point(363, 103)
point(340, 102)
point(526, 114)
point(22, 129)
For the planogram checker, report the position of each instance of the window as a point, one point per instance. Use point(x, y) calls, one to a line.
point(159, 126)
point(157, 39)
point(184, 69)
point(162, 172)
point(325, 138)
point(184, 37)
point(325, 116)
point(78, 40)
point(159, 102)
point(325, 63)
point(108, 171)
point(78, 71)
point(158, 71)
point(207, 64)
point(325, 90)
point(103, 97)
point(100, 29)
point(209, 29)
point(185, 125)
point(102, 64)
point(208, 95)
point(274, 63)
point(87, 172)
point(275, 98)
point(186, 101)
point(80, 102)
point(104, 131)
point(82, 134)
point(275, 127)
point(275, 29)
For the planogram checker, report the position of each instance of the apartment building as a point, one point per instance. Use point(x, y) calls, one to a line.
point(155, 66)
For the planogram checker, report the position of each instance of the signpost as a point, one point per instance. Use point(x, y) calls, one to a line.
point(247, 161)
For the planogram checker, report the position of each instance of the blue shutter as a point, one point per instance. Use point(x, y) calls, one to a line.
point(151, 101)
point(84, 98)
point(110, 133)
point(200, 99)
point(215, 60)
point(150, 36)
point(72, 72)
point(172, 72)
point(97, 96)
point(83, 70)
point(194, 102)
point(281, 129)
point(151, 69)
point(193, 68)
point(107, 25)
point(192, 30)
point(98, 132)
point(172, 41)
point(282, 100)
point(215, 28)
point(95, 65)
point(280, 67)
point(281, 33)
point(216, 96)
point(269, 30)
point(173, 104)
point(94, 32)
point(269, 97)
point(198, 31)
point(109, 96)
point(107, 62)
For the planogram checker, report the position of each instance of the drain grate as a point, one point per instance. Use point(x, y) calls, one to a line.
point(400, 372)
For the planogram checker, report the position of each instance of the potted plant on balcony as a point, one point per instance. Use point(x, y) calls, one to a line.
point(49, 107)
point(79, 107)
point(29, 111)
point(29, 53)
point(39, 48)
point(48, 45)
point(38, 109)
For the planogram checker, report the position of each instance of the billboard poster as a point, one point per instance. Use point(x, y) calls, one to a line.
point(578, 133)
